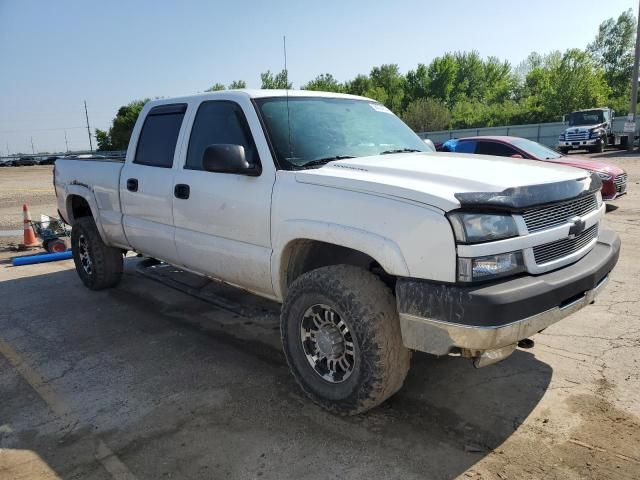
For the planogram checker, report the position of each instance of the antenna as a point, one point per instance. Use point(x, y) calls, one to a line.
point(88, 129)
point(286, 86)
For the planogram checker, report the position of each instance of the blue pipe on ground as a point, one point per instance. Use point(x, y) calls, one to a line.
point(41, 258)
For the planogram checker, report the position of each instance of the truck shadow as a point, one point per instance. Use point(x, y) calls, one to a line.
point(171, 396)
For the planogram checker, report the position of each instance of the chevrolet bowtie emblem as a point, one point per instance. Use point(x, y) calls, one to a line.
point(576, 227)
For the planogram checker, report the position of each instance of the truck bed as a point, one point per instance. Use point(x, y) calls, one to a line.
point(98, 181)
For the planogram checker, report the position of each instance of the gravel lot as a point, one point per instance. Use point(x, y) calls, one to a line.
point(144, 381)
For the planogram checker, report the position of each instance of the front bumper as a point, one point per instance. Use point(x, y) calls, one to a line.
point(589, 142)
point(487, 321)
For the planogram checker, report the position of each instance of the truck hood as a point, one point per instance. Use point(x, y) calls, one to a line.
point(436, 178)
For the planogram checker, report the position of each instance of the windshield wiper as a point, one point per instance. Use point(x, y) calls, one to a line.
point(400, 150)
point(324, 161)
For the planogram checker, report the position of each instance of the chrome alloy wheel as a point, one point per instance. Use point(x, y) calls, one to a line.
point(83, 254)
point(327, 343)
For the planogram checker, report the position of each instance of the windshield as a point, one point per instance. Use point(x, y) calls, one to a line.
point(591, 117)
point(535, 149)
point(323, 129)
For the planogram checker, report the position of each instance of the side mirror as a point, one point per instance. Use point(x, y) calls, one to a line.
point(227, 158)
point(516, 155)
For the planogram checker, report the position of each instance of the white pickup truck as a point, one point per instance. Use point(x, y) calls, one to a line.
point(332, 206)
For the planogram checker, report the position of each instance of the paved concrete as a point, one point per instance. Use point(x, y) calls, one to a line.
point(144, 381)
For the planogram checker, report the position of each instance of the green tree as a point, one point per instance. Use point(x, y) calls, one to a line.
point(442, 73)
point(215, 87)
point(324, 83)
point(359, 85)
point(427, 114)
point(613, 49)
point(104, 140)
point(500, 82)
point(388, 78)
point(237, 84)
point(577, 82)
point(417, 84)
point(117, 138)
point(470, 82)
point(279, 81)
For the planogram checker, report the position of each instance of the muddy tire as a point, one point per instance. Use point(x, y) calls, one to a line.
point(563, 151)
point(341, 337)
point(98, 265)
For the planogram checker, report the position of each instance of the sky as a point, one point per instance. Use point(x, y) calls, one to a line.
point(54, 55)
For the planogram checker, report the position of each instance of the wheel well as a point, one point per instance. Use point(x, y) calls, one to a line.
point(79, 207)
point(302, 256)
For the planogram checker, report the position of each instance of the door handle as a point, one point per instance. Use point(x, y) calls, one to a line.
point(132, 184)
point(182, 191)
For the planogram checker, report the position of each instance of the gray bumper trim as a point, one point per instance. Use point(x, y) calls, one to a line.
point(439, 338)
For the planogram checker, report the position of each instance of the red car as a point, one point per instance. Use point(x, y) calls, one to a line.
point(614, 179)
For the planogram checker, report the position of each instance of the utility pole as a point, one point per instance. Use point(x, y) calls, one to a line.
point(8, 154)
point(88, 129)
point(65, 141)
point(634, 86)
point(33, 150)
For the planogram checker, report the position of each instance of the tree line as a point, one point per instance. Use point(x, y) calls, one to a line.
point(464, 90)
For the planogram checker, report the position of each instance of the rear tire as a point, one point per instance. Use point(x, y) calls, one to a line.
point(563, 151)
point(354, 307)
point(98, 265)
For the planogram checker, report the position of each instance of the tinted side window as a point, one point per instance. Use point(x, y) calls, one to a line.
point(159, 135)
point(495, 148)
point(219, 122)
point(465, 147)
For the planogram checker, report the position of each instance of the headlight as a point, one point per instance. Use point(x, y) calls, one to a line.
point(482, 227)
point(594, 135)
point(603, 175)
point(489, 267)
point(599, 198)
point(561, 137)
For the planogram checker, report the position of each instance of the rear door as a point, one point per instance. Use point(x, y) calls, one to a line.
point(223, 220)
point(146, 184)
point(495, 148)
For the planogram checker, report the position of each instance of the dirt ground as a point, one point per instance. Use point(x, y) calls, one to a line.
point(145, 381)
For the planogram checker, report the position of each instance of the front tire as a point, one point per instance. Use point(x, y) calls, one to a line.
point(341, 337)
point(98, 265)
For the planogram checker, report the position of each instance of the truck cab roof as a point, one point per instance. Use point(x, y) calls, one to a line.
point(255, 93)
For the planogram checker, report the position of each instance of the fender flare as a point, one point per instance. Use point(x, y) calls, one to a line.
point(87, 194)
point(383, 250)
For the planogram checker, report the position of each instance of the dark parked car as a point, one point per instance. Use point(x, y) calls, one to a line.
point(24, 162)
point(49, 160)
point(614, 179)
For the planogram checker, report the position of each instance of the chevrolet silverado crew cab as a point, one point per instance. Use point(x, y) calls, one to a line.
point(331, 205)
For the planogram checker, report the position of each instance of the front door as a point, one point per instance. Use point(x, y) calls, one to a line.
point(223, 220)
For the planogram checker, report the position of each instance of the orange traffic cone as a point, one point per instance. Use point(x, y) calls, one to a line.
point(30, 239)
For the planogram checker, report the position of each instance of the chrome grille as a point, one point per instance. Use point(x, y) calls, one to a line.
point(564, 247)
point(542, 218)
point(621, 183)
point(577, 135)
